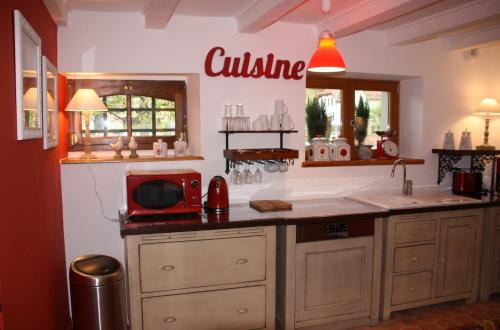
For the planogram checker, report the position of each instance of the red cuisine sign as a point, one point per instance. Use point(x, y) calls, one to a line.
point(218, 65)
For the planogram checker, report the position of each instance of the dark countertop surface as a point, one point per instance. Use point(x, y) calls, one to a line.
point(304, 211)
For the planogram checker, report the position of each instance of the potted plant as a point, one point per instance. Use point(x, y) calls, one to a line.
point(316, 118)
point(361, 121)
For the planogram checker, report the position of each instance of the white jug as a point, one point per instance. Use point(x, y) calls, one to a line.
point(287, 123)
point(276, 122)
point(280, 107)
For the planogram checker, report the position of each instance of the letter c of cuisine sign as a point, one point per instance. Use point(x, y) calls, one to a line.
point(217, 65)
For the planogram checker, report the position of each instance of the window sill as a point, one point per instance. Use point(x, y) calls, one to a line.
point(127, 160)
point(359, 162)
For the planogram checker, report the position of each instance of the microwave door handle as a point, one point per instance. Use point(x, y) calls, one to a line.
point(183, 200)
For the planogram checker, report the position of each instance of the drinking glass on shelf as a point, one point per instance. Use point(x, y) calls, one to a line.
point(246, 124)
point(257, 176)
point(232, 123)
point(239, 110)
point(236, 177)
point(248, 175)
point(228, 110)
point(225, 124)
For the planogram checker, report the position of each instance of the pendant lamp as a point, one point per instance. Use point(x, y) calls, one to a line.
point(326, 58)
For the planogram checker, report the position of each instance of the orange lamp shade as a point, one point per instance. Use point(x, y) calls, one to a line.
point(326, 58)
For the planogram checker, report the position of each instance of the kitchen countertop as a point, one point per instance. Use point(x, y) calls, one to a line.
point(304, 211)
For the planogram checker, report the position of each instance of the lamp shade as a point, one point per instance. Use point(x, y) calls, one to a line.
point(86, 99)
point(326, 58)
point(488, 107)
point(30, 99)
point(50, 102)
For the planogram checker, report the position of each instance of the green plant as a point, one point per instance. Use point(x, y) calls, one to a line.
point(316, 118)
point(361, 121)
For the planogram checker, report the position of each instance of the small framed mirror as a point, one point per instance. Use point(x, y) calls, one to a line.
point(49, 101)
point(28, 46)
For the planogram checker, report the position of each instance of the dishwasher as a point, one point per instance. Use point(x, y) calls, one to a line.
point(330, 275)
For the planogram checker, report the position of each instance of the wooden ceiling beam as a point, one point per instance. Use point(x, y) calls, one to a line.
point(475, 39)
point(470, 16)
point(264, 13)
point(58, 9)
point(369, 13)
point(158, 12)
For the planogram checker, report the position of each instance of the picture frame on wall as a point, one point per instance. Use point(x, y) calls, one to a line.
point(28, 58)
point(50, 106)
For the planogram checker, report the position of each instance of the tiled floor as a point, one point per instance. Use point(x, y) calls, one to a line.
point(441, 316)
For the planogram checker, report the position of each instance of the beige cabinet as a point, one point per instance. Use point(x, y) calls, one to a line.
point(215, 279)
point(328, 284)
point(431, 258)
point(456, 255)
point(333, 278)
point(490, 275)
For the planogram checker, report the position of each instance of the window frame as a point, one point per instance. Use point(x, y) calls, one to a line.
point(348, 86)
point(163, 89)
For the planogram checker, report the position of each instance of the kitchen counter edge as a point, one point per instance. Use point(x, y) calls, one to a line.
point(246, 217)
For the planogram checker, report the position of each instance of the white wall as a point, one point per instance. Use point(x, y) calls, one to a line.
point(444, 89)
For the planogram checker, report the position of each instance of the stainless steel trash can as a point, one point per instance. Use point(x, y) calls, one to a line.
point(97, 293)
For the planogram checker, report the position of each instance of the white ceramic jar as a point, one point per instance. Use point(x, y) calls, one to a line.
point(180, 146)
point(160, 148)
point(318, 150)
point(342, 149)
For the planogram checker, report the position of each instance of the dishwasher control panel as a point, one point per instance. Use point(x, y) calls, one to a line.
point(334, 230)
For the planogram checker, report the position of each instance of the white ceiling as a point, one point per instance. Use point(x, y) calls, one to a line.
point(462, 23)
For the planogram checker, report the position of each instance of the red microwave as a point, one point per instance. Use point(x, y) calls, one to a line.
point(163, 192)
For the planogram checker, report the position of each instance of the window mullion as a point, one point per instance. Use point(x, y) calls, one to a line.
point(129, 115)
point(105, 117)
point(348, 113)
point(153, 115)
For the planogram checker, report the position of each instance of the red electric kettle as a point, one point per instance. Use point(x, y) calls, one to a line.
point(218, 196)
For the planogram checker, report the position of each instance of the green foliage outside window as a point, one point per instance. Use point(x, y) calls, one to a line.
point(316, 118)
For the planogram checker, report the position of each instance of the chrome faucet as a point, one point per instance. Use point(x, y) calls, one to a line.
point(407, 184)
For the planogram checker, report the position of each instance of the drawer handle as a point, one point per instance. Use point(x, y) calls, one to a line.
point(416, 232)
point(169, 319)
point(415, 259)
point(168, 267)
point(242, 261)
point(412, 288)
point(242, 310)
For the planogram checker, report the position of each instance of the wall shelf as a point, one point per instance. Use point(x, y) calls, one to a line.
point(359, 162)
point(234, 156)
point(127, 160)
point(478, 161)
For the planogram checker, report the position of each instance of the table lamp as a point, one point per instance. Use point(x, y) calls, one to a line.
point(30, 106)
point(487, 108)
point(86, 100)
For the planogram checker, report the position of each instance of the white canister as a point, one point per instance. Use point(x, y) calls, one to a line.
point(320, 149)
point(160, 148)
point(343, 149)
point(449, 140)
point(180, 147)
point(333, 151)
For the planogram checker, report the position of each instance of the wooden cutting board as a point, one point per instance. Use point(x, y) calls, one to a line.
point(270, 205)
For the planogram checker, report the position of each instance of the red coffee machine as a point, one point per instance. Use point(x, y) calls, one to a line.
point(217, 196)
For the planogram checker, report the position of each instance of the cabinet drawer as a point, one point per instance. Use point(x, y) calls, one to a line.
point(234, 309)
point(413, 258)
point(179, 265)
point(415, 231)
point(411, 287)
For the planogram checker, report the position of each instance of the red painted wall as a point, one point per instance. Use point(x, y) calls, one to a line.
point(32, 261)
